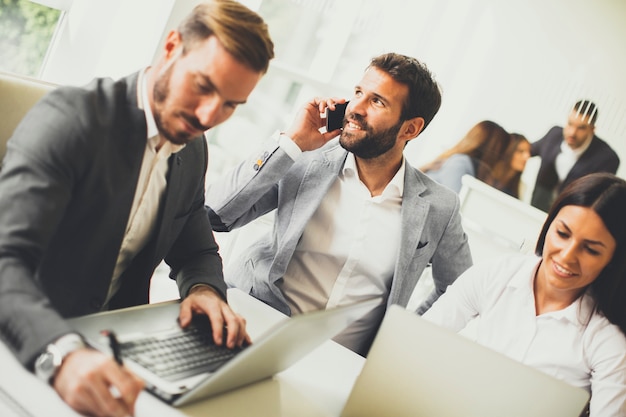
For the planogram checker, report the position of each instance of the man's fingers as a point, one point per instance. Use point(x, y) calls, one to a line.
point(236, 325)
point(128, 386)
point(93, 384)
point(220, 315)
point(96, 397)
point(185, 314)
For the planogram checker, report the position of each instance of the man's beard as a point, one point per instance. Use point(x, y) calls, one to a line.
point(160, 94)
point(373, 144)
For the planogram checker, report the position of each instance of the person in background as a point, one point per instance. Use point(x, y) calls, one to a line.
point(563, 309)
point(570, 152)
point(476, 154)
point(353, 220)
point(101, 183)
point(509, 169)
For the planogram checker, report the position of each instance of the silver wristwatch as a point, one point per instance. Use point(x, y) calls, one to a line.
point(48, 363)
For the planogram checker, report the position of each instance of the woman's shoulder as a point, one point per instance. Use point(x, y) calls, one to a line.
point(599, 330)
point(459, 158)
point(604, 344)
point(452, 169)
point(512, 269)
point(513, 261)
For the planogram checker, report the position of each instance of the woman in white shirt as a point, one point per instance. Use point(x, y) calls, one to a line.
point(562, 311)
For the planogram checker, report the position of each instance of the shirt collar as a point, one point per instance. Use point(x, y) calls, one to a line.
point(395, 188)
point(565, 148)
point(577, 312)
point(581, 308)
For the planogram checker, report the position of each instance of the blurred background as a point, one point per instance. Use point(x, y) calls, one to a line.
point(520, 63)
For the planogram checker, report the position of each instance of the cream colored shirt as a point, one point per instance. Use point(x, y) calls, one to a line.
point(348, 251)
point(148, 195)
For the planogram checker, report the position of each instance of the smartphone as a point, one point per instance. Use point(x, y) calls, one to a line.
point(334, 119)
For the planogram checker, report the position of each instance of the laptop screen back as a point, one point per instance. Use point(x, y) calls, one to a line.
point(416, 368)
point(278, 348)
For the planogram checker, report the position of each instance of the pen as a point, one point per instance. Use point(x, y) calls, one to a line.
point(115, 346)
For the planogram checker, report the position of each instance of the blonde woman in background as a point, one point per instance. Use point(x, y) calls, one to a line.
point(477, 154)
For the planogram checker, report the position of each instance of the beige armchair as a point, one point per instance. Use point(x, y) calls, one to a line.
point(17, 95)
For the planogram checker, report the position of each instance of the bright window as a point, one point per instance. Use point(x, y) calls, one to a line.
point(26, 33)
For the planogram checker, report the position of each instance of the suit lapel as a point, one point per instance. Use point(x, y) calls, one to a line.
point(138, 130)
point(581, 165)
point(318, 177)
point(131, 144)
point(414, 214)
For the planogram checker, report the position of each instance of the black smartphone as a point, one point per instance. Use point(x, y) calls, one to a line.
point(334, 119)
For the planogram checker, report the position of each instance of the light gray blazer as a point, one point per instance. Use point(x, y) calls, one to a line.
point(270, 179)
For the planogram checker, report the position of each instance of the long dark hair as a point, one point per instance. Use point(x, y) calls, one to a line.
point(606, 195)
point(485, 143)
point(505, 178)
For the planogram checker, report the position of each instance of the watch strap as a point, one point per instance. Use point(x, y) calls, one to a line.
point(48, 363)
point(68, 343)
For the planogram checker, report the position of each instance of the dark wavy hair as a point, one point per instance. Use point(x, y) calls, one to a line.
point(505, 178)
point(424, 97)
point(606, 195)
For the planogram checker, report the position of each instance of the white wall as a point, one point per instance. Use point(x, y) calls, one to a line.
point(106, 38)
point(521, 63)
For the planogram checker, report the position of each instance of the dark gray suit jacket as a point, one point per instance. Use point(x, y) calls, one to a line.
point(66, 190)
point(599, 157)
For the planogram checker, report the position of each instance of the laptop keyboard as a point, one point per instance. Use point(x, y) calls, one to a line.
point(188, 352)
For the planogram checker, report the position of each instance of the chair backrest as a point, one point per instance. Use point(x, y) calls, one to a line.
point(17, 95)
point(496, 222)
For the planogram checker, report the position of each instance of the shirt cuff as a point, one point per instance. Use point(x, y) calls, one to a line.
point(201, 284)
point(289, 146)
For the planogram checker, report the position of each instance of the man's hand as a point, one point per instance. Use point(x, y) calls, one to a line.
point(205, 300)
point(93, 384)
point(304, 130)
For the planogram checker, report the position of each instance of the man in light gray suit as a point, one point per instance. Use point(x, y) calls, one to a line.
point(101, 183)
point(353, 219)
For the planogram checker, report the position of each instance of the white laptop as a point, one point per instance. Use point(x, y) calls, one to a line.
point(274, 351)
point(416, 368)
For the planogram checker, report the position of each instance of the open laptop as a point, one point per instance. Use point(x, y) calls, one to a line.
point(274, 351)
point(416, 368)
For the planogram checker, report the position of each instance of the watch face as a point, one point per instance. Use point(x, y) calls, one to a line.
point(47, 363)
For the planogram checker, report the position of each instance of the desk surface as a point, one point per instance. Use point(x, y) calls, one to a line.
point(318, 385)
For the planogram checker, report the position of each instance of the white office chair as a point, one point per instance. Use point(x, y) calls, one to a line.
point(17, 95)
point(495, 222)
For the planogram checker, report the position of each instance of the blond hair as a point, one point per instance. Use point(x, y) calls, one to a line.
point(242, 32)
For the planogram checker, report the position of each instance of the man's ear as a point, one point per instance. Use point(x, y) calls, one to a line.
point(173, 42)
point(411, 128)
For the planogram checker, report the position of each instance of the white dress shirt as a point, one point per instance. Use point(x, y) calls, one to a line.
point(566, 159)
point(348, 251)
point(574, 344)
point(148, 195)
